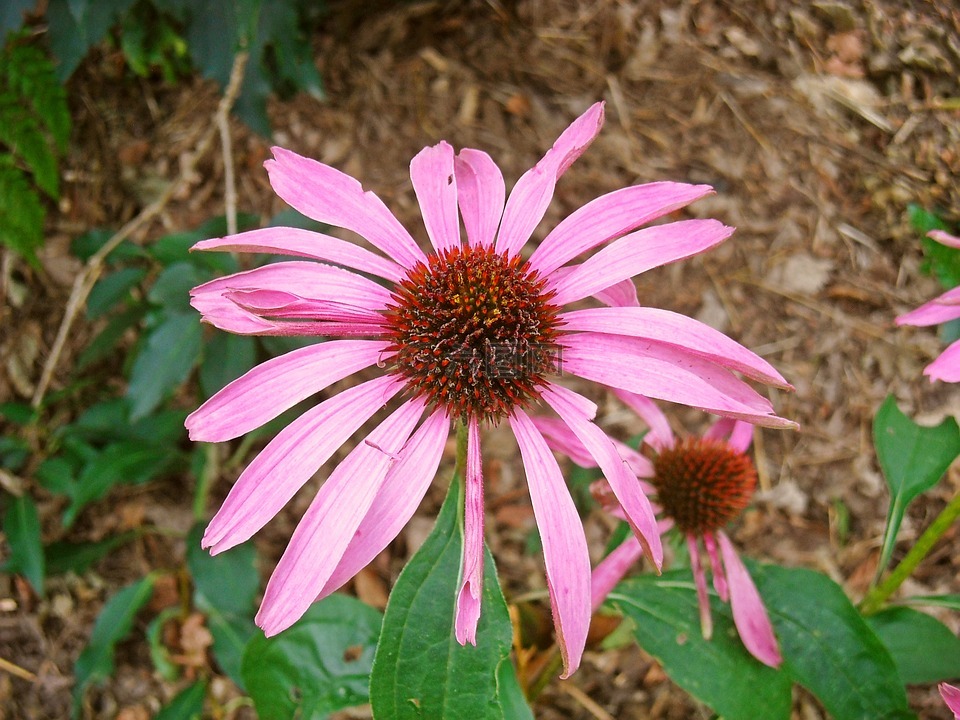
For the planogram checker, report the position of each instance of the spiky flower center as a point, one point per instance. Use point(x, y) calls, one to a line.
point(703, 484)
point(474, 332)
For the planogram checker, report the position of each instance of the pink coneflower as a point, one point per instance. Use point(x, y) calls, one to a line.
point(951, 696)
point(469, 331)
point(701, 484)
point(942, 309)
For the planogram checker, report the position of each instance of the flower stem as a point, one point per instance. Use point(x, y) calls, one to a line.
point(874, 600)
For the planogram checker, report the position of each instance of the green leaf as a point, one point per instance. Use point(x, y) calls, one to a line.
point(946, 601)
point(924, 649)
point(107, 339)
point(21, 525)
point(64, 557)
point(172, 287)
point(113, 625)
point(420, 670)
point(187, 705)
point(719, 672)
point(225, 587)
point(225, 358)
point(319, 665)
point(165, 361)
point(828, 647)
point(913, 459)
point(111, 289)
point(159, 652)
point(21, 214)
point(512, 700)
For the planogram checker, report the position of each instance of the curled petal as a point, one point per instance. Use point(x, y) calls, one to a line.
point(749, 614)
point(435, 185)
point(277, 385)
point(333, 197)
point(306, 243)
point(330, 523)
point(283, 305)
point(531, 195)
point(564, 545)
point(700, 580)
point(471, 570)
point(480, 193)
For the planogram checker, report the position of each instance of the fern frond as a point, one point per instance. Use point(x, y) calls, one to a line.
point(21, 213)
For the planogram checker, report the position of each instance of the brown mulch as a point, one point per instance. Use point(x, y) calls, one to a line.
point(817, 123)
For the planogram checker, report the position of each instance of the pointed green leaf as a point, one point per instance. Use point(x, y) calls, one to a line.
point(64, 556)
point(113, 624)
point(225, 358)
point(21, 525)
point(913, 459)
point(111, 289)
point(165, 361)
point(946, 601)
point(719, 672)
point(187, 705)
point(319, 665)
point(420, 670)
point(924, 649)
point(828, 647)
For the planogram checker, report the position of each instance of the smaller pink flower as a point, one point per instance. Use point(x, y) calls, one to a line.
point(950, 694)
point(701, 484)
point(941, 309)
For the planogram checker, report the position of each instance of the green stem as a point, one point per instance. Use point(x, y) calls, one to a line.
point(874, 600)
point(210, 470)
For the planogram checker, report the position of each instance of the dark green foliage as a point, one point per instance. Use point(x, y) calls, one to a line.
point(34, 129)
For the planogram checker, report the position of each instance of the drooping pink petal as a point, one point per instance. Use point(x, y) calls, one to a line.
point(719, 576)
point(306, 243)
point(531, 195)
point(660, 435)
point(435, 185)
point(480, 193)
point(610, 216)
point(290, 459)
point(562, 439)
point(666, 373)
point(612, 569)
point(749, 614)
point(564, 545)
point(638, 252)
point(950, 694)
point(947, 366)
point(741, 436)
point(403, 489)
point(944, 238)
point(277, 304)
point(330, 196)
point(941, 309)
point(670, 328)
point(471, 569)
point(277, 385)
point(329, 524)
point(576, 412)
point(700, 581)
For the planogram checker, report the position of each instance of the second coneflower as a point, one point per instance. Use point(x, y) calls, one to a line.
point(469, 331)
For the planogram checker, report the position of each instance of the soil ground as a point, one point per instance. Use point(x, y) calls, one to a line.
point(817, 123)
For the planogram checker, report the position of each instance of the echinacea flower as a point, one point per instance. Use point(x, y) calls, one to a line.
point(951, 696)
point(469, 331)
point(701, 484)
point(941, 309)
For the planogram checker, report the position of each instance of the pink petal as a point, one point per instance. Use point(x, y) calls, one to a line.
point(308, 244)
point(609, 217)
point(621, 294)
point(480, 193)
point(576, 412)
point(684, 333)
point(749, 613)
point(277, 385)
point(666, 373)
point(951, 696)
point(719, 577)
point(402, 491)
point(700, 580)
point(736, 433)
point(944, 238)
point(660, 435)
point(561, 438)
point(435, 185)
point(638, 252)
point(329, 196)
point(269, 304)
point(329, 524)
point(947, 366)
point(471, 570)
point(290, 459)
point(939, 310)
point(564, 545)
point(612, 569)
point(531, 195)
